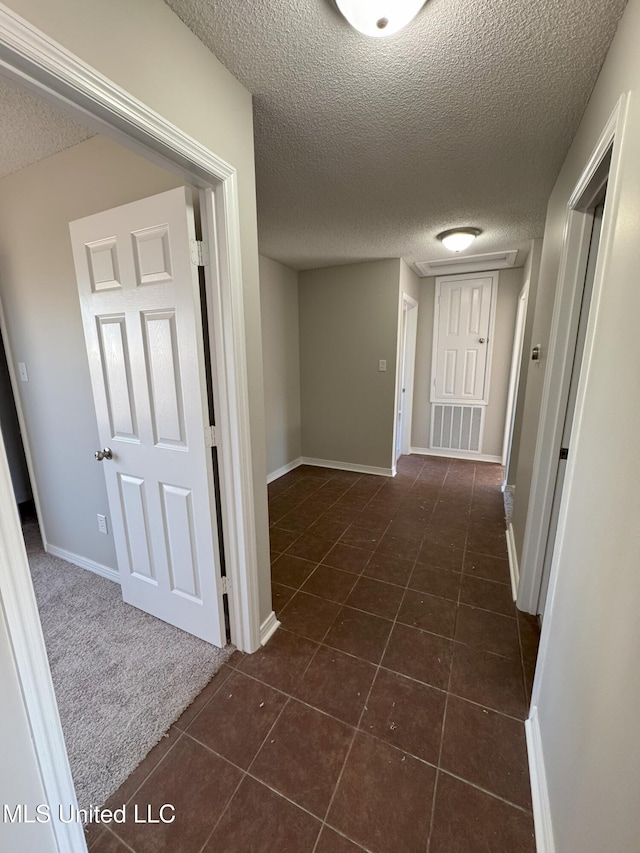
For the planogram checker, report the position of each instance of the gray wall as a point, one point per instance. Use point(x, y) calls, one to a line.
point(176, 75)
point(509, 287)
point(348, 321)
point(588, 689)
point(281, 362)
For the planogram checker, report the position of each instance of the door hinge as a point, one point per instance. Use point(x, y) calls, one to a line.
point(564, 453)
point(211, 436)
point(199, 253)
point(225, 585)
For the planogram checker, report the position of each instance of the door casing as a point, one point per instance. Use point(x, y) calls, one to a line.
point(600, 169)
point(35, 61)
point(405, 361)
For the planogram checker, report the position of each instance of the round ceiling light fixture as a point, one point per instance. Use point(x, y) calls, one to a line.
point(378, 18)
point(458, 239)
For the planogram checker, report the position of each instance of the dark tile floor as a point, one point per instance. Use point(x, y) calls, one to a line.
point(386, 714)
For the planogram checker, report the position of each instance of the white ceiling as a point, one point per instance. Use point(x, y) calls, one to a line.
point(366, 148)
point(32, 129)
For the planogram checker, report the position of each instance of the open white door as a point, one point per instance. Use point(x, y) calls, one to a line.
point(140, 300)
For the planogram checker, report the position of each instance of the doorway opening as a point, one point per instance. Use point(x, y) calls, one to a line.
point(595, 215)
point(579, 285)
point(109, 110)
point(13, 440)
point(406, 368)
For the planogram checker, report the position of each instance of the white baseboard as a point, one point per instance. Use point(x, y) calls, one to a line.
point(347, 466)
point(290, 466)
point(539, 790)
point(514, 568)
point(84, 563)
point(456, 454)
point(268, 628)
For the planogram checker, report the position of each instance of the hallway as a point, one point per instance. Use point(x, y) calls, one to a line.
point(386, 714)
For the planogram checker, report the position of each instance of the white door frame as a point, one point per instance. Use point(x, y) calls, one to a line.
point(514, 376)
point(31, 58)
point(566, 311)
point(405, 362)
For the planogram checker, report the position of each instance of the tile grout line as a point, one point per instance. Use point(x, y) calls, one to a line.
point(247, 772)
point(357, 728)
point(384, 669)
point(415, 479)
point(181, 734)
point(444, 717)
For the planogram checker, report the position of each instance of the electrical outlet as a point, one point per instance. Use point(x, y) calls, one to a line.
point(102, 523)
point(382, 365)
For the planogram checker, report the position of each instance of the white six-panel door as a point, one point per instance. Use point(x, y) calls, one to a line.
point(139, 294)
point(462, 345)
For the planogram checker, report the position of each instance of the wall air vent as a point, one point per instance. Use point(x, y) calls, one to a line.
point(468, 263)
point(456, 427)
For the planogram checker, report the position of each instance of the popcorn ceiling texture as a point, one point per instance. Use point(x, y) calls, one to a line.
point(366, 148)
point(32, 129)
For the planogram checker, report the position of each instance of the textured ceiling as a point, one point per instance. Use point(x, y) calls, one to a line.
point(366, 148)
point(32, 129)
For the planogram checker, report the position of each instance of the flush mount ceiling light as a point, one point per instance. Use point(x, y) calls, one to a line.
point(458, 239)
point(379, 18)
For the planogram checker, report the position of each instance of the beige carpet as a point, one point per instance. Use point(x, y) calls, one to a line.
point(121, 677)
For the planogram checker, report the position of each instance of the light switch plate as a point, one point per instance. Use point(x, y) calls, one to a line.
point(22, 370)
point(382, 365)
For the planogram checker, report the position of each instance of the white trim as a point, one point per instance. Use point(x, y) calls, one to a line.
point(466, 264)
point(512, 553)
point(557, 377)
point(223, 285)
point(34, 59)
point(84, 563)
point(514, 373)
point(456, 454)
point(407, 335)
point(280, 472)
point(348, 466)
point(268, 628)
point(45, 67)
point(23, 623)
point(38, 62)
point(539, 791)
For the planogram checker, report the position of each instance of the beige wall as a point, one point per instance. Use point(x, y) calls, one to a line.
point(44, 326)
point(281, 355)
point(348, 321)
point(588, 690)
point(145, 48)
point(509, 286)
